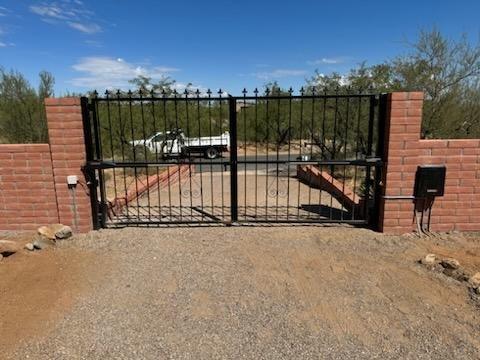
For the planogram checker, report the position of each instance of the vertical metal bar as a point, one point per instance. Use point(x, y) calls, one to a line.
point(165, 148)
point(146, 152)
point(277, 175)
point(371, 120)
point(189, 155)
point(312, 130)
point(334, 150)
point(345, 144)
point(122, 147)
point(289, 134)
point(90, 173)
point(245, 148)
point(112, 151)
point(335, 121)
point(199, 136)
point(382, 113)
point(209, 93)
point(134, 151)
point(256, 149)
point(368, 182)
point(267, 126)
point(152, 100)
point(324, 115)
point(97, 154)
point(87, 128)
point(96, 129)
point(233, 159)
point(300, 150)
point(220, 126)
point(323, 122)
point(177, 128)
point(359, 115)
point(103, 197)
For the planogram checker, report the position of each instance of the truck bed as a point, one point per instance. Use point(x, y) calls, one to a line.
point(207, 141)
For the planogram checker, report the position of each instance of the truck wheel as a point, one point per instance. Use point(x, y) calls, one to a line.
point(211, 153)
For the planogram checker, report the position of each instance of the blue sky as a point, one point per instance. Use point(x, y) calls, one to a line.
point(217, 44)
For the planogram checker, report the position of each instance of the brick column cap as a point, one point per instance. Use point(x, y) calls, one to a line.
point(407, 95)
point(65, 101)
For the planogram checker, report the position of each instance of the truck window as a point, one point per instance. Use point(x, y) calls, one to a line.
point(158, 138)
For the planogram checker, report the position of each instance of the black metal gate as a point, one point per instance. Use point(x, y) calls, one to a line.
point(173, 158)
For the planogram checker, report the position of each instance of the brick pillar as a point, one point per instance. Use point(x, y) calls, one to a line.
point(402, 156)
point(67, 147)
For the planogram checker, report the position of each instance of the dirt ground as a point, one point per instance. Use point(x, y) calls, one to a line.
point(37, 288)
point(239, 292)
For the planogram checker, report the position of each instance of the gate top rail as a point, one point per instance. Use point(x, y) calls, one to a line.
point(207, 95)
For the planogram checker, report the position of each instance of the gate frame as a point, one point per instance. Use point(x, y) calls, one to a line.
point(375, 159)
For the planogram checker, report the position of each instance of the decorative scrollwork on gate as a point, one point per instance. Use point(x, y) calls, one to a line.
point(278, 186)
point(191, 188)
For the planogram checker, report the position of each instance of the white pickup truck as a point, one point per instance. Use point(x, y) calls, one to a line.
point(176, 144)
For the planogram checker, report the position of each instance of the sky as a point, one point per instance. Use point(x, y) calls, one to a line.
point(214, 44)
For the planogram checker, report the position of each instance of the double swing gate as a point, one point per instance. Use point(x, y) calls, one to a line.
point(271, 157)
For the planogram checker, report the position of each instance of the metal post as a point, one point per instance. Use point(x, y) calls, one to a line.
point(233, 159)
point(368, 181)
point(99, 156)
point(88, 170)
point(380, 151)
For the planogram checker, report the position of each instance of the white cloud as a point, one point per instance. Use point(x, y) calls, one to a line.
point(85, 28)
point(107, 72)
point(4, 44)
point(328, 61)
point(5, 29)
point(3, 11)
point(52, 11)
point(70, 12)
point(279, 73)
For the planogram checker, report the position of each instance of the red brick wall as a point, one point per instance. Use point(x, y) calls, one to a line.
point(33, 177)
point(67, 145)
point(27, 193)
point(459, 208)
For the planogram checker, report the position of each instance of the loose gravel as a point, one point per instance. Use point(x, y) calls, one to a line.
point(260, 293)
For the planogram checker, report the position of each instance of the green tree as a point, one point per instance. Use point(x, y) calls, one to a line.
point(145, 84)
point(447, 71)
point(22, 110)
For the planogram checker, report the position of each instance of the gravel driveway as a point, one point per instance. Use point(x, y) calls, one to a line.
point(259, 293)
